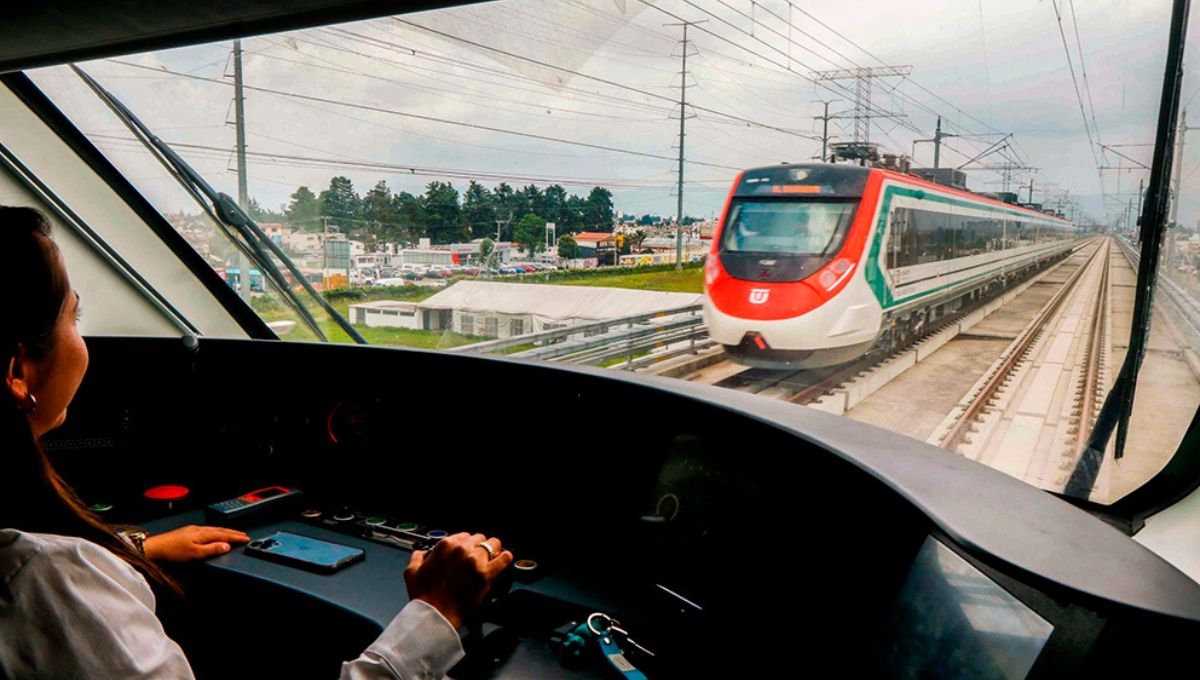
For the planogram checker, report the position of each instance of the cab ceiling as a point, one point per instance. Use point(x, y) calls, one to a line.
point(61, 31)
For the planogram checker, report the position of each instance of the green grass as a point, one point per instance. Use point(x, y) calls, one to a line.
point(690, 280)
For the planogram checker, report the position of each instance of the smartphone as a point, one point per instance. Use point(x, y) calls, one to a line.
point(304, 552)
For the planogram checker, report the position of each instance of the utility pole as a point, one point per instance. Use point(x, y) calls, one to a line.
point(825, 128)
point(1138, 216)
point(862, 78)
point(1182, 137)
point(325, 251)
point(937, 145)
point(239, 116)
point(938, 136)
point(682, 118)
point(1031, 190)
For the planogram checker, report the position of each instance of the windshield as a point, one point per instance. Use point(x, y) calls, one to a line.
point(792, 228)
point(545, 180)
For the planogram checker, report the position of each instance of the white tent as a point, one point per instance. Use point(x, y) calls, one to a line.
point(543, 306)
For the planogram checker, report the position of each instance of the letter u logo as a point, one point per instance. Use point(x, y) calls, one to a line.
point(759, 295)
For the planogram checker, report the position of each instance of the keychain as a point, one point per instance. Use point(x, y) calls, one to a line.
point(606, 630)
point(608, 634)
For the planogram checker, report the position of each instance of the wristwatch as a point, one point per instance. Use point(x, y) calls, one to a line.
point(134, 536)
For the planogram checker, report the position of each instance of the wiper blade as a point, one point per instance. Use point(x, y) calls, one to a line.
point(245, 233)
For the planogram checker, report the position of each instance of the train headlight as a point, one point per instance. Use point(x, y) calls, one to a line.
point(711, 269)
point(833, 274)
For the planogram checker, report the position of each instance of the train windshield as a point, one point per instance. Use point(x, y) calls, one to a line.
point(536, 180)
point(787, 227)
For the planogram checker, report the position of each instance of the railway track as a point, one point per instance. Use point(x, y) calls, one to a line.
point(838, 389)
point(1030, 413)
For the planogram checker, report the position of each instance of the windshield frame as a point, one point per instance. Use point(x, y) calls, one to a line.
point(255, 327)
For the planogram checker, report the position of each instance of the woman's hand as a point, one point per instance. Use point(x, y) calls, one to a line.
point(456, 575)
point(192, 543)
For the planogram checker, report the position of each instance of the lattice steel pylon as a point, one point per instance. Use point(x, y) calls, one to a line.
point(862, 76)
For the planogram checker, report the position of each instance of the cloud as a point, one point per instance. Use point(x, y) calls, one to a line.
point(438, 90)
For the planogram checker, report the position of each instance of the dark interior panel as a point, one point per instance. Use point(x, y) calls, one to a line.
point(719, 537)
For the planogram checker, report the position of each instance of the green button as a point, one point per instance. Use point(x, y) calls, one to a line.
point(101, 507)
point(406, 526)
point(374, 521)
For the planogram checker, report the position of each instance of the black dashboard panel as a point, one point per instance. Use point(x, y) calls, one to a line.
point(729, 534)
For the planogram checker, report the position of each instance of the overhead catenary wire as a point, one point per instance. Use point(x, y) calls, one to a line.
point(1078, 95)
point(219, 153)
point(417, 116)
point(591, 77)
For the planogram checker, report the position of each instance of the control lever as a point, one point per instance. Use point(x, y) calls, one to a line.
point(485, 653)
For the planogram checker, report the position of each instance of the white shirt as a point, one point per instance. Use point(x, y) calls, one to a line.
point(71, 609)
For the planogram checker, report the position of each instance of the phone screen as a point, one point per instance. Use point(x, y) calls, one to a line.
point(304, 551)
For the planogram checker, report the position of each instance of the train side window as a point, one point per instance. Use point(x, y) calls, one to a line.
point(905, 241)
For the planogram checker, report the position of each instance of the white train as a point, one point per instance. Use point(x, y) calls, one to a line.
point(814, 265)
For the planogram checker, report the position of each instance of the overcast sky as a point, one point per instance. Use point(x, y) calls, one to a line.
point(584, 93)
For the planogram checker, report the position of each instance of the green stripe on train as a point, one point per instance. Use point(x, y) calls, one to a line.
point(876, 278)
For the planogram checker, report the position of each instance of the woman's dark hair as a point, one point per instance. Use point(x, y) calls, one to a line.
point(34, 497)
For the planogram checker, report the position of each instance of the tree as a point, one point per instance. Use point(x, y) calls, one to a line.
point(635, 240)
point(260, 214)
point(304, 210)
point(410, 213)
point(378, 204)
point(379, 210)
point(528, 200)
point(479, 210)
point(574, 213)
point(487, 248)
point(530, 232)
point(553, 205)
point(339, 201)
point(599, 213)
point(444, 222)
point(567, 247)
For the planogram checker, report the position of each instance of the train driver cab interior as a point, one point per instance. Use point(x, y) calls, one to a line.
point(663, 524)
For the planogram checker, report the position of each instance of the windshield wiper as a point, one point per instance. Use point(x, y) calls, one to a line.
point(242, 230)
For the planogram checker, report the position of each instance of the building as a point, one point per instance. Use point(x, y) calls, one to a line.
point(500, 310)
point(662, 251)
point(590, 242)
point(386, 314)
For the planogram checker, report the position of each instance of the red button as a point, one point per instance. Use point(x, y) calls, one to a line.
point(166, 492)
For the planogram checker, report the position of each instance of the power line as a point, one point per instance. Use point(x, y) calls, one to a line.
point(590, 77)
point(450, 94)
point(787, 68)
point(1083, 72)
point(293, 160)
point(435, 119)
point(1078, 96)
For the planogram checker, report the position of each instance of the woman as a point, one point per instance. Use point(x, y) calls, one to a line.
point(75, 599)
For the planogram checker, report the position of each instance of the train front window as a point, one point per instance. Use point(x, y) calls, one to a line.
point(786, 227)
point(504, 178)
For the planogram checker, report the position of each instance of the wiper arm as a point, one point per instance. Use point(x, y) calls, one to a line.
point(246, 234)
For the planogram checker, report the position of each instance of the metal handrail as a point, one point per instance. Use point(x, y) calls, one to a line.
point(600, 327)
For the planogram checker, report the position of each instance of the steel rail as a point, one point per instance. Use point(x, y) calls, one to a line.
point(1016, 352)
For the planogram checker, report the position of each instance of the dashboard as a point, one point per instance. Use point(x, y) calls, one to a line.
point(726, 533)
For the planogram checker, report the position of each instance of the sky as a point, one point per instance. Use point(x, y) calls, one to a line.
point(586, 93)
